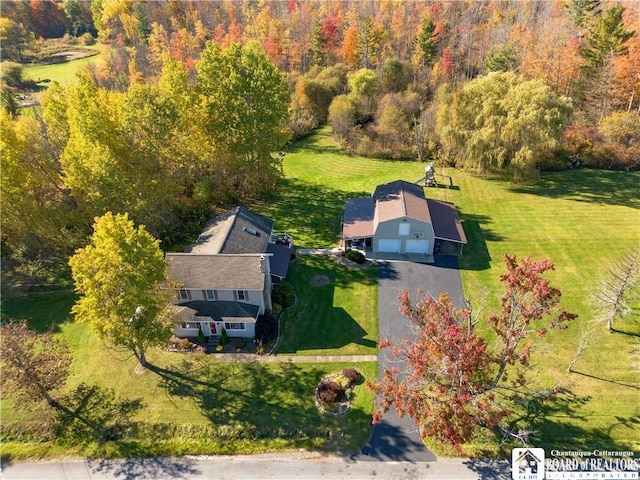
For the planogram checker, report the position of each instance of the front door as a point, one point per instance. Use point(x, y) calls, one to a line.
point(212, 328)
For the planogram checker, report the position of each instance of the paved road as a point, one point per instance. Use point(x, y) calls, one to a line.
point(304, 465)
point(395, 438)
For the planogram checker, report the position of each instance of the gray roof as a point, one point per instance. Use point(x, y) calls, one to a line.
point(201, 311)
point(222, 272)
point(400, 199)
point(446, 222)
point(236, 231)
point(279, 261)
point(358, 219)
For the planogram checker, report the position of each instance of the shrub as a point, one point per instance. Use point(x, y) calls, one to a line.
point(87, 39)
point(266, 328)
point(184, 343)
point(352, 374)
point(330, 392)
point(201, 338)
point(355, 256)
point(283, 294)
point(224, 338)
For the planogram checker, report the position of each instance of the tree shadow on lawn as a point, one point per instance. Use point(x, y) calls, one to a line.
point(476, 254)
point(314, 323)
point(263, 401)
point(549, 421)
point(588, 185)
point(312, 214)
point(43, 311)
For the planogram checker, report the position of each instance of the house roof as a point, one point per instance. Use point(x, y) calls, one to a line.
point(279, 261)
point(396, 200)
point(200, 311)
point(446, 222)
point(236, 231)
point(400, 199)
point(358, 219)
point(222, 272)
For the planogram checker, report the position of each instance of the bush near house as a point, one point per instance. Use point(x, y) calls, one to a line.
point(355, 256)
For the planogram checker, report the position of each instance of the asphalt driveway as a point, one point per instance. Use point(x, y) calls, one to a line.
point(395, 438)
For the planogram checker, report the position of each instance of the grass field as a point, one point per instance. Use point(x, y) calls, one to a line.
point(63, 73)
point(339, 318)
point(579, 219)
point(207, 405)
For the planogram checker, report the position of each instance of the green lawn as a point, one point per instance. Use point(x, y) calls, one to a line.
point(339, 318)
point(578, 219)
point(63, 73)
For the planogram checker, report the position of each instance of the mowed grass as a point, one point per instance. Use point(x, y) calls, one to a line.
point(578, 219)
point(339, 318)
point(64, 73)
point(208, 406)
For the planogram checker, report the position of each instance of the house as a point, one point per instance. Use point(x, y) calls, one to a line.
point(227, 275)
point(398, 219)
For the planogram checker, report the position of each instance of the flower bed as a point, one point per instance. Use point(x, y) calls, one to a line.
point(334, 392)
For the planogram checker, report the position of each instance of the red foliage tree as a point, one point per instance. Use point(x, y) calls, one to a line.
point(455, 381)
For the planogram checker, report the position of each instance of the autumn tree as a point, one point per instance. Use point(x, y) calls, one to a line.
point(454, 380)
point(34, 366)
point(502, 123)
point(618, 288)
point(120, 278)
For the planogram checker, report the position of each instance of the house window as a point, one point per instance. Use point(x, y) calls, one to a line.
point(191, 325)
point(242, 295)
point(404, 229)
point(185, 294)
point(234, 326)
point(211, 295)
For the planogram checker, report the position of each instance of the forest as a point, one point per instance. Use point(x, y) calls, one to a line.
point(192, 101)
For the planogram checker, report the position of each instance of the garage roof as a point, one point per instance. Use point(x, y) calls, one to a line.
point(446, 222)
point(396, 200)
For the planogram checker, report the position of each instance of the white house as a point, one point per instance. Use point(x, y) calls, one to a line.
point(225, 279)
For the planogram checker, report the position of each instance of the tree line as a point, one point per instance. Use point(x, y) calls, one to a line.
point(164, 152)
point(192, 99)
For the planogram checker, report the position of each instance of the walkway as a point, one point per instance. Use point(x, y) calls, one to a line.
point(252, 357)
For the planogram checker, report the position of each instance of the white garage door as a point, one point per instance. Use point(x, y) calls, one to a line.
point(388, 245)
point(417, 246)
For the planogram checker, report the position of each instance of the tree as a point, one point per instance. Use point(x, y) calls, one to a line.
point(456, 381)
point(120, 277)
point(426, 43)
point(33, 365)
point(502, 123)
point(11, 74)
point(245, 110)
point(13, 39)
point(618, 288)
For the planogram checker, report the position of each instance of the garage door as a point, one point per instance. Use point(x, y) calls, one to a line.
point(417, 246)
point(388, 245)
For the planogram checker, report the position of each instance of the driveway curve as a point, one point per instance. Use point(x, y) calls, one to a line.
point(395, 438)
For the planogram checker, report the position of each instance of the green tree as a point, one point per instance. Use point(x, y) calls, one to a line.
point(502, 123)
point(501, 59)
point(606, 38)
point(11, 74)
point(342, 116)
point(245, 100)
point(33, 365)
point(13, 39)
point(121, 278)
point(426, 43)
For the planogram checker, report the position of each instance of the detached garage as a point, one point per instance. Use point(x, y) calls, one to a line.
point(398, 218)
